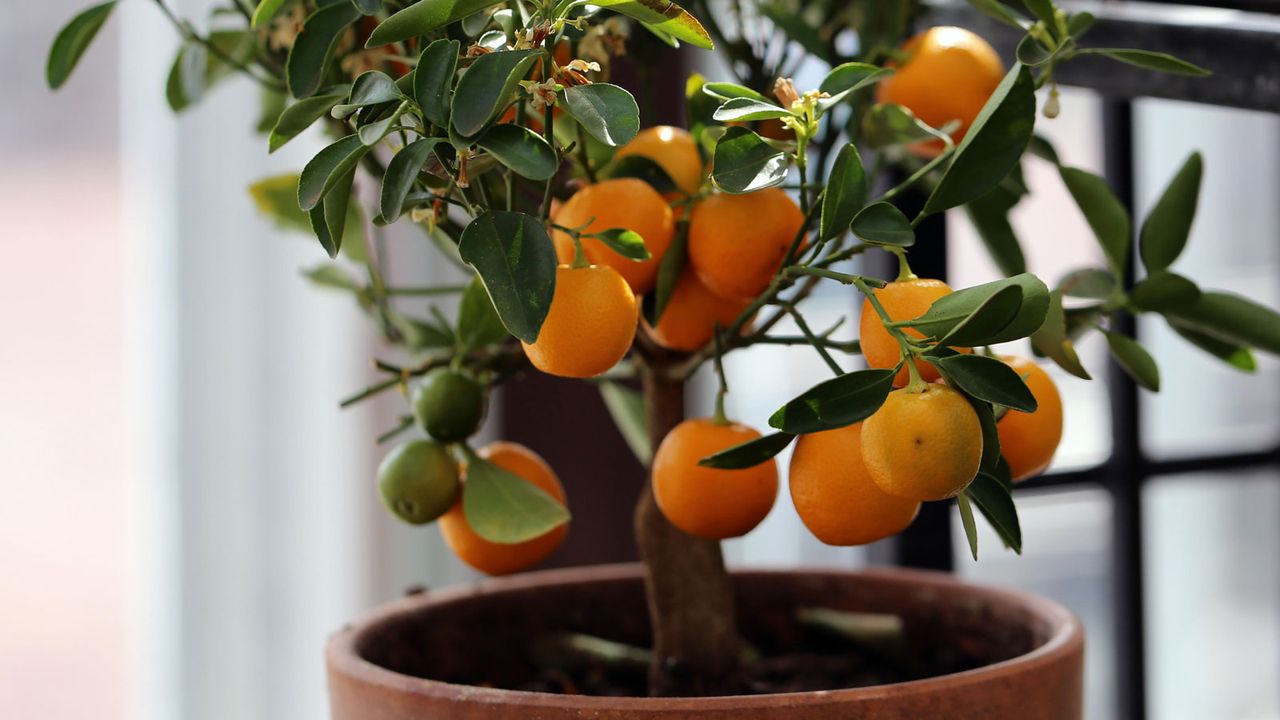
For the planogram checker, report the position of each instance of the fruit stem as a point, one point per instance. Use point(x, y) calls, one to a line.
point(904, 268)
point(817, 344)
point(720, 418)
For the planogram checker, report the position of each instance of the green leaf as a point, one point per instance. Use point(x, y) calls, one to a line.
point(748, 110)
point(886, 125)
point(302, 115)
point(329, 166)
point(882, 223)
point(72, 40)
point(265, 11)
point(726, 91)
point(1032, 54)
point(478, 323)
point(1080, 23)
point(749, 453)
point(626, 407)
point(371, 88)
point(990, 459)
point(1162, 62)
point(626, 243)
point(990, 217)
point(664, 15)
point(329, 218)
point(517, 262)
point(331, 276)
point(1134, 359)
point(966, 519)
point(185, 84)
point(277, 198)
point(848, 78)
point(845, 194)
point(421, 18)
point(641, 168)
point(995, 501)
point(796, 29)
point(520, 149)
point(1052, 340)
point(504, 508)
point(401, 172)
point(606, 111)
point(433, 80)
point(368, 7)
point(372, 133)
point(987, 379)
point(993, 144)
point(654, 303)
point(835, 403)
point(314, 47)
point(1164, 234)
point(1164, 291)
point(988, 320)
point(950, 311)
point(1042, 9)
point(997, 10)
point(1092, 283)
point(1040, 146)
point(1105, 214)
point(744, 162)
point(1237, 356)
point(1232, 319)
point(486, 87)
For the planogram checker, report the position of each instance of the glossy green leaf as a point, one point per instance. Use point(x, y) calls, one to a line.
point(1105, 214)
point(333, 211)
point(882, 223)
point(1164, 291)
point(1165, 231)
point(265, 11)
point(987, 321)
point(749, 453)
point(726, 91)
point(663, 15)
point(966, 520)
point(995, 502)
point(324, 170)
point(478, 322)
point(401, 172)
point(606, 111)
point(372, 133)
point(504, 508)
point(367, 7)
point(848, 78)
point(433, 80)
point(517, 263)
point(626, 407)
point(314, 47)
point(998, 11)
point(947, 314)
point(1043, 10)
point(990, 458)
point(748, 110)
point(641, 168)
point(421, 18)
point(72, 40)
point(993, 144)
point(845, 194)
point(371, 88)
point(990, 217)
point(835, 403)
point(520, 149)
point(626, 243)
point(1092, 283)
point(1162, 62)
point(1052, 340)
point(1237, 356)
point(486, 87)
point(886, 125)
point(302, 115)
point(1134, 359)
point(987, 379)
point(744, 162)
point(669, 270)
point(1040, 146)
point(1232, 318)
point(1080, 23)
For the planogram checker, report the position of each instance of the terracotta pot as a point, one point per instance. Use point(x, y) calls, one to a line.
point(377, 666)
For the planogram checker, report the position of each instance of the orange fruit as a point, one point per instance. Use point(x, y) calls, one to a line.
point(689, 320)
point(497, 558)
point(1029, 440)
point(619, 203)
point(902, 300)
point(949, 75)
point(835, 496)
point(738, 242)
point(590, 325)
point(923, 445)
point(710, 502)
point(674, 150)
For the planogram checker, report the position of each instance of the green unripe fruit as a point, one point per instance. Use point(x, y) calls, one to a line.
point(418, 481)
point(449, 405)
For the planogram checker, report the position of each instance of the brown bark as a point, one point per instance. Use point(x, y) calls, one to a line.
point(691, 608)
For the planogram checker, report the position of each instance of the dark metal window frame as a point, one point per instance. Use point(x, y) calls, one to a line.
point(1243, 49)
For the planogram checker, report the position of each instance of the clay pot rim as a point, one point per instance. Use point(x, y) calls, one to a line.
point(342, 657)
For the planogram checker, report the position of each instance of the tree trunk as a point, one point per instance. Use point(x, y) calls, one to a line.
point(695, 635)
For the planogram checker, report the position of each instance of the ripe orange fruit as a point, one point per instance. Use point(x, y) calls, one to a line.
point(496, 558)
point(689, 320)
point(674, 150)
point(923, 445)
point(949, 75)
point(710, 502)
point(738, 242)
point(835, 496)
point(902, 300)
point(619, 203)
point(590, 325)
point(1028, 440)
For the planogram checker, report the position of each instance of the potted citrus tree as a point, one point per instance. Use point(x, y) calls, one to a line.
point(604, 251)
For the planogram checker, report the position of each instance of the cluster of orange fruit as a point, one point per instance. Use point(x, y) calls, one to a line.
point(736, 243)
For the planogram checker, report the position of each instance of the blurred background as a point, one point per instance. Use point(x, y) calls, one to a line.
point(187, 515)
